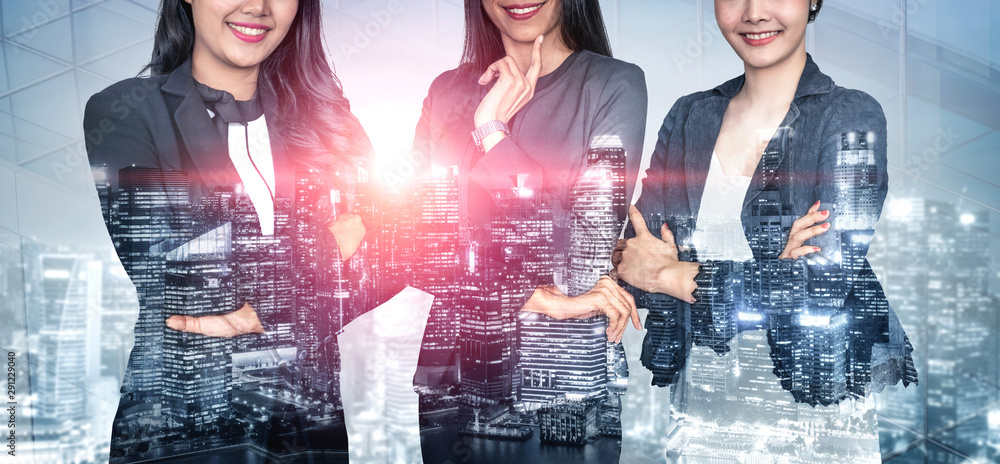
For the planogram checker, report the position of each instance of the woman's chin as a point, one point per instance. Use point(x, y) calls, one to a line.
point(246, 61)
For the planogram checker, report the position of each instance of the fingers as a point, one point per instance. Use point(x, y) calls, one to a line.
point(800, 237)
point(622, 308)
point(491, 73)
point(809, 219)
point(688, 285)
point(813, 208)
point(620, 244)
point(349, 231)
point(535, 68)
point(667, 236)
point(212, 326)
point(522, 88)
point(613, 310)
point(239, 322)
point(638, 223)
point(616, 254)
point(799, 252)
point(797, 239)
point(636, 322)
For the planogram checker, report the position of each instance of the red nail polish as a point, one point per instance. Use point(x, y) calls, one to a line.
point(826, 226)
point(825, 212)
point(815, 249)
point(817, 203)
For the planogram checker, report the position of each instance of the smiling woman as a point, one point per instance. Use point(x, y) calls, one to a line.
point(541, 130)
point(778, 342)
point(229, 188)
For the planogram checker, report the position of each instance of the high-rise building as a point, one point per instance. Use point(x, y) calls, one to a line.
point(571, 357)
point(437, 245)
point(596, 202)
point(62, 361)
point(486, 340)
point(856, 177)
point(713, 325)
point(150, 207)
point(263, 271)
point(197, 369)
point(820, 357)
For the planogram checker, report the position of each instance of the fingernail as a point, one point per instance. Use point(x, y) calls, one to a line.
point(826, 226)
point(825, 212)
point(815, 249)
point(816, 204)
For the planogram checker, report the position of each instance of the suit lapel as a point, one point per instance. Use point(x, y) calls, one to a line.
point(774, 155)
point(207, 148)
point(209, 151)
point(700, 134)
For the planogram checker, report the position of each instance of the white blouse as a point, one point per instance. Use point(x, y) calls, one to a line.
point(250, 151)
point(719, 233)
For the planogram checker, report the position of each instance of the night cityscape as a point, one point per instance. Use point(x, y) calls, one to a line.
point(202, 255)
point(73, 314)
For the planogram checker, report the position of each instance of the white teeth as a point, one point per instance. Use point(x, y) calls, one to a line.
point(253, 31)
point(761, 36)
point(524, 10)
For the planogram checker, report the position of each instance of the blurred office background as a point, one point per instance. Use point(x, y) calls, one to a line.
point(67, 309)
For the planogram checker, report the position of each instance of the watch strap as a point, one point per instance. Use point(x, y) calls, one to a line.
point(488, 128)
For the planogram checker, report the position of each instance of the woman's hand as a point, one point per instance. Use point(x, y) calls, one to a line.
point(512, 91)
point(349, 230)
point(240, 322)
point(651, 264)
point(605, 298)
point(805, 228)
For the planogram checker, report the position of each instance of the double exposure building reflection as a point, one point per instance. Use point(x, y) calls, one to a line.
point(520, 371)
point(199, 252)
point(197, 369)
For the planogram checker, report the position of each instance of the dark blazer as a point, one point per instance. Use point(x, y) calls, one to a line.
point(797, 168)
point(161, 122)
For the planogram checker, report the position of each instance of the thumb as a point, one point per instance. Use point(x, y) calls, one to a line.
point(182, 323)
point(668, 237)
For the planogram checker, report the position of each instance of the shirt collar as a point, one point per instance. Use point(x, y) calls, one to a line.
point(180, 82)
point(228, 108)
point(812, 82)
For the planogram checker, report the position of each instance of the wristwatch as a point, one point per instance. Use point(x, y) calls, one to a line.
point(487, 129)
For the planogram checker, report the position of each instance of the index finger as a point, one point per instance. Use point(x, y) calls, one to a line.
point(491, 73)
point(638, 223)
point(535, 68)
point(813, 208)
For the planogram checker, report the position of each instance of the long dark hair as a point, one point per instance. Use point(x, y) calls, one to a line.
point(313, 119)
point(581, 22)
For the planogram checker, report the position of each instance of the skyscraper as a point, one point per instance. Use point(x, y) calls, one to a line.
point(570, 357)
point(62, 363)
point(197, 377)
point(150, 207)
point(437, 244)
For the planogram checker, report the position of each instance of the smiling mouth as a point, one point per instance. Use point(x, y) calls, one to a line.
point(523, 9)
point(761, 35)
point(252, 31)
